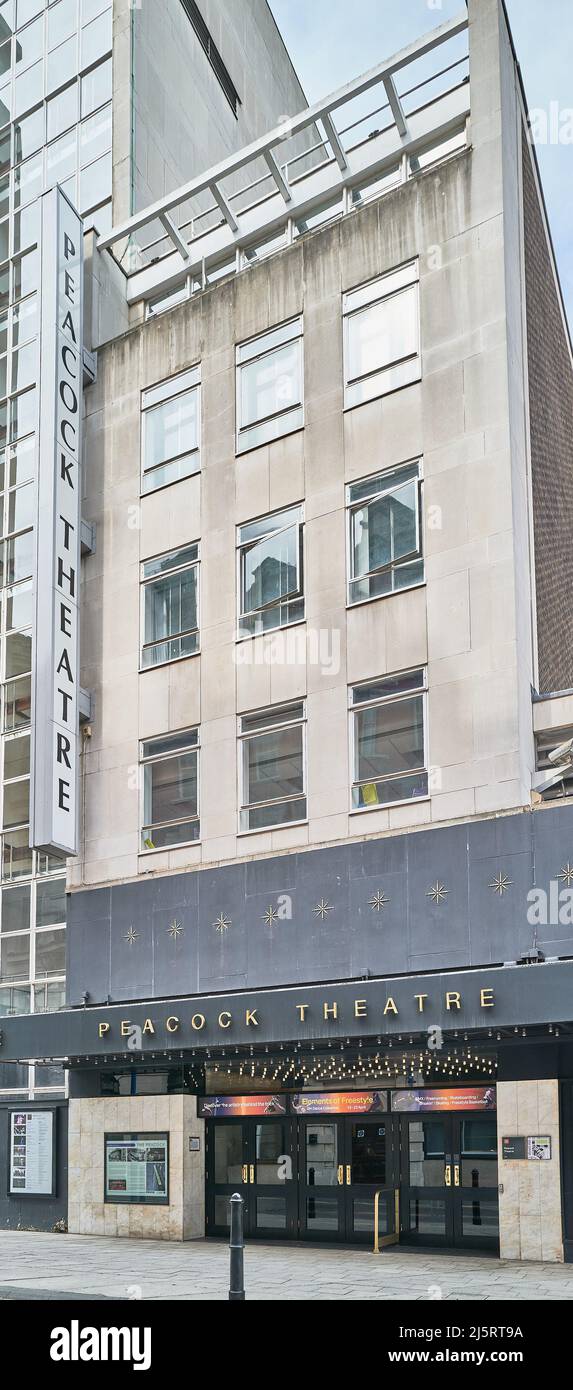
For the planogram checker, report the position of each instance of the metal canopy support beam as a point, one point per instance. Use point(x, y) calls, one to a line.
point(334, 142)
point(396, 106)
point(174, 235)
point(224, 206)
point(278, 176)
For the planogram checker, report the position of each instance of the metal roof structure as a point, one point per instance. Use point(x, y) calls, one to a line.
point(314, 167)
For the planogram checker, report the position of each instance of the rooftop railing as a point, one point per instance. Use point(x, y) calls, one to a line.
point(315, 166)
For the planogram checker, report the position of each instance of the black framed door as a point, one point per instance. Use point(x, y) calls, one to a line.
point(448, 1189)
point(258, 1159)
point(309, 1179)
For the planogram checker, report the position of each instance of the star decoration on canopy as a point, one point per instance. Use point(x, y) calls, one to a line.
point(132, 936)
point(437, 892)
point(567, 874)
point(270, 916)
point(175, 930)
point(501, 883)
point(222, 923)
point(322, 909)
point(378, 901)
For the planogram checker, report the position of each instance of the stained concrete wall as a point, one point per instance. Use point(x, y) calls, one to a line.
point(89, 1120)
point(530, 1202)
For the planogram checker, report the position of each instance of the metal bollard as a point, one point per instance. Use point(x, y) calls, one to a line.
point(237, 1248)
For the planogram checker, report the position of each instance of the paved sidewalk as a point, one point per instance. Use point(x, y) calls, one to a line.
point(36, 1265)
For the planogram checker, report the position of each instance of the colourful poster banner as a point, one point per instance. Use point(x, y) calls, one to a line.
point(339, 1103)
point(430, 1101)
point(225, 1107)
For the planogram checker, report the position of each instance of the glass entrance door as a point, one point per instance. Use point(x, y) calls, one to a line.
point(448, 1193)
point(371, 1155)
point(322, 1205)
point(258, 1159)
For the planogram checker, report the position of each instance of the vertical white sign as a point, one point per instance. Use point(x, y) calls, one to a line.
point(55, 701)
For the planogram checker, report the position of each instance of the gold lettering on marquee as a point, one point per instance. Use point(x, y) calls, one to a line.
point(125, 1027)
point(486, 998)
point(420, 998)
point(390, 1007)
point(330, 1011)
point(302, 1008)
point(103, 1029)
point(148, 1026)
point(223, 1016)
point(198, 1022)
point(172, 1024)
point(453, 1000)
point(251, 1018)
point(360, 1008)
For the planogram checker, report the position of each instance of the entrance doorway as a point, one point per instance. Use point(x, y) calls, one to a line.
point(303, 1179)
point(448, 1189)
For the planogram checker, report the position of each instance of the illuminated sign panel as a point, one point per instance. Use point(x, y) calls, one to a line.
point(55, 709)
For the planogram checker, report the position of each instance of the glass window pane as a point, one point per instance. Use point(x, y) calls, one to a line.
point(271, 384)
point(26, 9)
point(61, 158)
point(170, 796)
point(20, 557)
point(62, 21)
point(19, 607)
point(96, 39)
point(386, 530)
point(62, 111)
point(47, 998)
point(274, 765)
point(17, 704)
point(16, 909)
point(29, 135)
point(16, 803)
point(25, 272)
point(16, 855)
point(228, 1145)
point(17, 757)
point(15, 958)
point(51, 953)
point(23, 413)
point(62, 64)
point(14, 1001)
point(171, 429)
point(50, 902)
point(170, 608)
point(28, 180)
point(24, 327)
point(95, 182)
point(96, 87)
point(382, 333)
point(271, 570)
point(29, 44)
point(389, 739)
point(95, 135)
point(29, 88)
point(18, 653)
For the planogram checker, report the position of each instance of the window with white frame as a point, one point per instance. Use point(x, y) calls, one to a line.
point(388, 732)
point(269, 386)
point(381, 335)
point(385, 533)
point(272, 767)
point(270, 564)
point(170, 606)
point(171, 430)
point(170, 790)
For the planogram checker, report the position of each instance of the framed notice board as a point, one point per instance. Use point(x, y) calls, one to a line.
point(32, 1153)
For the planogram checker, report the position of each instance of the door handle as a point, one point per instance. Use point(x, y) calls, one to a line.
point(252, 1172)
point(245, 1173)
point(456, 1174)
point(448, 1174)
point(348, 1174)
point(340, 1175)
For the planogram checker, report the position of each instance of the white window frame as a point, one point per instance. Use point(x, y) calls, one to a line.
point(146, 582)
point(154, 397)
point(282, 422)
point(354, 709)
point(243, 737)
point(395, 373)
point(352, 506)
point(145, 760)
point(243, 546)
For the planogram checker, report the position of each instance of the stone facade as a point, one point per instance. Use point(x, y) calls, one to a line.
point(530, 1195)
point(89, 1120)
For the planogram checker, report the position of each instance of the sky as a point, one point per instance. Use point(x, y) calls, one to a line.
point(332, 41)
